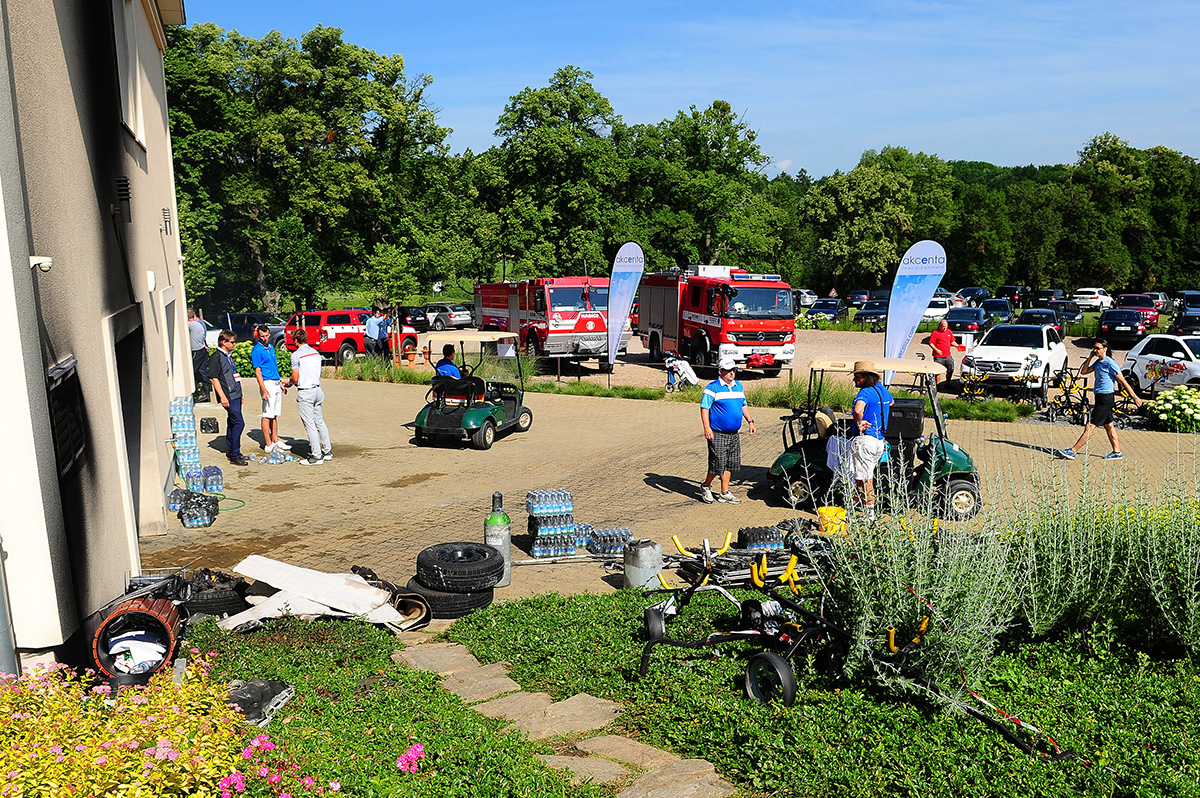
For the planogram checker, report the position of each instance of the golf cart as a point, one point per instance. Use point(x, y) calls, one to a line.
point(917, 467)
point(470, 407)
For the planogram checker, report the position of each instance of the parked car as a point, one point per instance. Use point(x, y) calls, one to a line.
point(243, 325)
point(412, 316)
point(1042, 297)
point(1121, 326)
point(999, 309)
point(973, 321)
point(1092, 299)
point(1041, 317)
point(1141, 303)
point(1068, 311)
point(974, 295)
point(1188, 300)
point(1161, 362)
point(832, 309)
point(874, 312)
point(633, 314)
point(211, 332)
point(857, 298)
point(1186, 322)
point(1161, 301)
point(881, 293)
point(444, 315)
point(803, 298)
point(339, 334)
point(1002, 353)
point(1017, 295)
point(955, 300)
point(937, 309)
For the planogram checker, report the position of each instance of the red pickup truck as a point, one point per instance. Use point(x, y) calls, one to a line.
point(338, 334)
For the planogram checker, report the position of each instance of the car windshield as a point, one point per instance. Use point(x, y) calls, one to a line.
point(1135, 301)
point(1038, 318)
point(1014, 336)
point(1194, 345)
point(963, 314)
point(1121, 317)
point(760, 303)
point(568, 299)
point(825, 304)
point(1066, 307)
point(875, 304)
point(995, 304)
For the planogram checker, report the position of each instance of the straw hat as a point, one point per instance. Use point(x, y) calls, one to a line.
point(865, 366)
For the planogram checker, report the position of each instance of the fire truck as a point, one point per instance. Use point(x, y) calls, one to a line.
point(706, 313)
point(563, 317)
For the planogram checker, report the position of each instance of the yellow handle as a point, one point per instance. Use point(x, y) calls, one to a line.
point(754, 575)
point(728, 542)
point(679, 546)
point(790, 574)
point(892, 639)
point(663, 580)
point(924, 627)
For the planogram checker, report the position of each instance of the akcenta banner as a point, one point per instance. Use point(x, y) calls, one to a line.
point(622, 287)
point(921, 270)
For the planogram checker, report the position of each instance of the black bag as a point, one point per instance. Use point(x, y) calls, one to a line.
point(210, 426)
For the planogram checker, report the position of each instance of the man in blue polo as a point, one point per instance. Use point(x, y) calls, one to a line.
point(266, 373)
point(375, 337)
point(721, 411)
point(872, 408)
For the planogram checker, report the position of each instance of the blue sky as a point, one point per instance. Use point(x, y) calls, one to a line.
point(1011, 83)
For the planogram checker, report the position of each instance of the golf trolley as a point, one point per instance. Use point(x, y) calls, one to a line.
point(679, 373)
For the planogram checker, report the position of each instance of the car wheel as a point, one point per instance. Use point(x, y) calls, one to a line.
point(346, 351)
point(525, 420)
point(450, 605)
point(460, 567)
point(422, 438)
point(769, 676)
point(1044, 393)
point(407, 343)
point(281, 346)
point(485, 436)
point(656, 353)
point(962, 500)
point(439, 325)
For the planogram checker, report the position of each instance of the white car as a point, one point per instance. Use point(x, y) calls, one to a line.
point(1009, 352)
point(804, 297)
point(1092, 299)
point(938, 307)
point(1160, 362)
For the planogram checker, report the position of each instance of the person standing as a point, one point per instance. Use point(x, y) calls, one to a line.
point(197, 338)
point(1108, 374)
point(306, 376)
point(872, 407)
point(266, 372)
point(941, 341)
point(721, 412)
point(225, 381)
point(445, 367)
point(375, 338)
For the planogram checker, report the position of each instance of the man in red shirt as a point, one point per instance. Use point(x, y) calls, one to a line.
point(941, 341)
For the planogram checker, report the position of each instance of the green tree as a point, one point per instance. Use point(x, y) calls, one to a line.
point(980, 249)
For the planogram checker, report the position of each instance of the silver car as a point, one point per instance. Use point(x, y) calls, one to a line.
point(448, 315)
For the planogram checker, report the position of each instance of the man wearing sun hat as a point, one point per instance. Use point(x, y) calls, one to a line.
point(721, 411)
point(872, 406)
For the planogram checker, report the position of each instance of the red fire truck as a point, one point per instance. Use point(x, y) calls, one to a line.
point(706, 313)
point(555, 316)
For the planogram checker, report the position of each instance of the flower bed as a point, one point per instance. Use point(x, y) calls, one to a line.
point(1177, 410)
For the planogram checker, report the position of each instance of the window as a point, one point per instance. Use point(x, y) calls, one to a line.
point(125, 16)
point(312, 319)
point(66, 415)
point(338, 318)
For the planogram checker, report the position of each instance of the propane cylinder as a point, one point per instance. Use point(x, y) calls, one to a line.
point(497, 533)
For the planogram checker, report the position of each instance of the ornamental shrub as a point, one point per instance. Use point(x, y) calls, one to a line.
point(1177, 410)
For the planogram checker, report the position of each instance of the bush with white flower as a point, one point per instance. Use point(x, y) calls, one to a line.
point(1177, 410)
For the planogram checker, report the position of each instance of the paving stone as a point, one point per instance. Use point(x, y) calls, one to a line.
point(515, 706)
point(623, 749)
point(481, 684)
point(439, 625)
point(416, 638)
point(442, 658)
point(582, 712)
point(586, 768)
point(687, 778)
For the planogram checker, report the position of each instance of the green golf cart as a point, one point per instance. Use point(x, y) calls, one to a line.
point(470, 407)
point(919, 467)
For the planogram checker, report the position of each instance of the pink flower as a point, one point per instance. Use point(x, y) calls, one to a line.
point(226, 794)
point(194, 650)
point(247, 752)
point(274, 778)
point(100, 760)
point(264, 772)
point(80, 747)
point(308, 782)
point(335, 786)
point(54, 749)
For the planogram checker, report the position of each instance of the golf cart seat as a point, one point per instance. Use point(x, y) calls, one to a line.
point(458, 391)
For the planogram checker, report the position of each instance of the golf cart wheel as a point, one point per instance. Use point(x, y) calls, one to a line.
point(422, 438)
point(962, 500)
point(770, 676)
point(485, 436)
point(797, 491)
point(525, 420)
point(460, 567)
point(450, 605)
point(655, 623)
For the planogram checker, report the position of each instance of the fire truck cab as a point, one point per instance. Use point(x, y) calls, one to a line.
point(706, 313)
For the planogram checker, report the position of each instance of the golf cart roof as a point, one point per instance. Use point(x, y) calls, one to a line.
point(882, 364)
point(471, 337)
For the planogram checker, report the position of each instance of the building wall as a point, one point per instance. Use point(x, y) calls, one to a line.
point(113, 299)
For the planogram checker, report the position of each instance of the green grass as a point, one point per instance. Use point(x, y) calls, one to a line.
point(582, 388)
point(355, 712)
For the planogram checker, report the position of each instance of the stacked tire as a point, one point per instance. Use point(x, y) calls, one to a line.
point(456, 579)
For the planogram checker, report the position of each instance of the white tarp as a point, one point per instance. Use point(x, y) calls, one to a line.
point(346, 592)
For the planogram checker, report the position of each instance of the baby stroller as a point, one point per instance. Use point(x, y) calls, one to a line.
point(679, 373)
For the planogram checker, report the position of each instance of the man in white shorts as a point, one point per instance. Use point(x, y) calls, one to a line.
point(306, 376)
point(266, 371)
point(872, 406)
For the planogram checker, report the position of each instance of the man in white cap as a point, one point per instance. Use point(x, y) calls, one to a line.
point(721, 411)
point(872, 406)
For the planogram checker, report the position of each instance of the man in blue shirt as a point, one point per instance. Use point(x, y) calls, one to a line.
point(445, 367)
point(266, 372)
point(872, 408)
point(375, 337)
point(721, 411)
point(1108, 374)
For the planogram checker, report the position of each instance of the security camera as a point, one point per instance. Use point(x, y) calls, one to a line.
point(40, 262)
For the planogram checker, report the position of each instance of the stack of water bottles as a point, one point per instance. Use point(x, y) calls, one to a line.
point(194, 478)
point(214, 480)
point(552, 523)
point(183, 428)
point(198, 510)
point(609, 541)
point(273, 457)
point(760, 538)
point(175, 500)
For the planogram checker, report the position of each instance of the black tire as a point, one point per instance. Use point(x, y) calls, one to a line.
point(485, 436)
point(524, 420)
point(769, 676)
point(218, 601)
point(655, 623)
point(531, 346)
point(772, 371)
point(800, 491)
point(439, 325)
point(656, 353)
point(444, 605)
point(460, 567)
point(408, 342)
point(699, 351)
point(962, 500)
point(346, 351)
point(1044, 393)
point(422, 438)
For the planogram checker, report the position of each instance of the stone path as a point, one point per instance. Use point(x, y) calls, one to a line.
point(640, 770)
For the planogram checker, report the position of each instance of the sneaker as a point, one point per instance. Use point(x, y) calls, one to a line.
point(1066, 454)
point(270, 447)
point(239, 461)
point(312, 461)
point(282, 445)
point(728, 498)
point(1114, 456)
point(328, 456)
point(706, 494)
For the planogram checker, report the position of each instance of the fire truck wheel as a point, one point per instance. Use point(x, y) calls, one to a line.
point(772, 371)
point(525, 420)
point(485, 436)
point(656, 353)
point(460, 567)
point(531, 346)
point(699, 351)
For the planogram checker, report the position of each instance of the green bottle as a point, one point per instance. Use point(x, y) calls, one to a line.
point(497, 533)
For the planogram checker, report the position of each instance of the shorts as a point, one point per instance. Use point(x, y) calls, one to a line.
point(865, 454)
point(948, 362)
point(1102, 410)
point(272, 407)
point(724, 452)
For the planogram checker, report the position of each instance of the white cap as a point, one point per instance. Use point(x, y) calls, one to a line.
point(727, 364)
